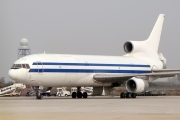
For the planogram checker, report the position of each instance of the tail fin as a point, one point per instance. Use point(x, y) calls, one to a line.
point(155, 35)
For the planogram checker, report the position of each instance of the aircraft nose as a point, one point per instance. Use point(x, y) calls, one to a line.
point(12, 74)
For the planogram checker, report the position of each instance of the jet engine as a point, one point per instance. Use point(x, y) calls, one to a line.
point(137, 85)
point(134, 46)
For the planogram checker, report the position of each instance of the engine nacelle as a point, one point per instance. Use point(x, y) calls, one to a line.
point(134, 46)
point(137, 85)
point(97, 90)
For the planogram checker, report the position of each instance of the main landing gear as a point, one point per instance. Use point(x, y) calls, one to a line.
point(38, 91)
point(79, 94)
point(39, 95)
point(128, 95)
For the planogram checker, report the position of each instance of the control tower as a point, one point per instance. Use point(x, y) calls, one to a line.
point(24, 49)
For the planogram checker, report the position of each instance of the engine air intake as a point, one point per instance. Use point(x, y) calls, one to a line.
point(128, 47)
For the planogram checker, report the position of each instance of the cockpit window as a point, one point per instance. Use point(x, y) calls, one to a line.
point(17, 66)
point(27, 66)
point(24, 65)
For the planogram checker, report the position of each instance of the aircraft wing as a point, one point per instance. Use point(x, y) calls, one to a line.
point(110, 78)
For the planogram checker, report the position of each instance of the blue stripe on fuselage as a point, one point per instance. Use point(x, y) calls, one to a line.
point(90, 64)
point(88, 71)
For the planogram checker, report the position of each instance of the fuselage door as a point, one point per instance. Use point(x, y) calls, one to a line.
point(36, 75)
point(40, 67)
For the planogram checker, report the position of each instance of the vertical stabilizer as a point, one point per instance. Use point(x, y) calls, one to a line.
point(155, 35)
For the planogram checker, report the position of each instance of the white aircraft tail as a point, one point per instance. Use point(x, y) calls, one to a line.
point(154, 38)
point(148, 49)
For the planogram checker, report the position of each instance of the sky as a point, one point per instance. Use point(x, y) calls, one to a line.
point(94, 27)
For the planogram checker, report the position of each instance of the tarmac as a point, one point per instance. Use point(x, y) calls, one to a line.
point(93, 108)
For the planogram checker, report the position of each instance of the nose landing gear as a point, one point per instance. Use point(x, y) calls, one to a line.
point(39, 95)
point(38, 91)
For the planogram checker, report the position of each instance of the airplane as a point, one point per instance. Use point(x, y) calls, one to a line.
point(141, 63)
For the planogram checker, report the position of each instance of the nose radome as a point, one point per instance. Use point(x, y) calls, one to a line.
point(13, 74)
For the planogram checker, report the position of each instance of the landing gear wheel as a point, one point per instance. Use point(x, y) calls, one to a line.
point(84, 95)
point(122, 95)
point(39, 95)
point(133, 95)
point(128, 95)
point(74, 94)
point(79, 95)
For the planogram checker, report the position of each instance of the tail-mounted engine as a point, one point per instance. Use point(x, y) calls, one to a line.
point(137, 85)
point(134, 46)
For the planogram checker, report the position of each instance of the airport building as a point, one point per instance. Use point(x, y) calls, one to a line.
point(24, 49)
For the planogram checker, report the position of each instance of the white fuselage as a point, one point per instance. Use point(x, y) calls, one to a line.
point(74, 70)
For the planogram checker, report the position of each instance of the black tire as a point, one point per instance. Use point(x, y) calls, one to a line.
point(128, 95)
point(48, 94)
point(74, 94)
point(85, 95)
point(79, 95)
point(39, 96)
point(133, 95)
point(122, 95)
